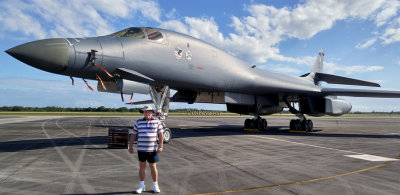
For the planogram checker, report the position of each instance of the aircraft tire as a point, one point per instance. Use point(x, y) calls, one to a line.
point(309, 125)
point(292, 124)
point(297, 125)
point(303, 125)
point(264, 125)
point(252, 124)
point(258, 124)
point(167, 135)
point(247, 123)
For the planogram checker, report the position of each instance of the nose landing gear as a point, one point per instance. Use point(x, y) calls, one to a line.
point(160, 97)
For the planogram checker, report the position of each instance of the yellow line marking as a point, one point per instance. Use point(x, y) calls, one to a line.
point(251, 129)
point(297, 131)
point(298, 182)
point(302, 181)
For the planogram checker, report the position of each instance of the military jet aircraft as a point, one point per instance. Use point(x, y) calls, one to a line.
point(153, 61)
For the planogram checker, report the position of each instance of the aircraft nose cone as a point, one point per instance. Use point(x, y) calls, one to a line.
point(50, 55)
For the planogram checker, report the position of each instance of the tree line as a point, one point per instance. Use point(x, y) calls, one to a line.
point(61, 109)
point(89, 109)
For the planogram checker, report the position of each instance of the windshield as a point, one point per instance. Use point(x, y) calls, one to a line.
point(154, 35)
point(131, 32)
point(140, 33)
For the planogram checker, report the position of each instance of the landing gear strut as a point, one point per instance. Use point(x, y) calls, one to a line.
point(256, 123)
point(160, 97)
point(299, 124)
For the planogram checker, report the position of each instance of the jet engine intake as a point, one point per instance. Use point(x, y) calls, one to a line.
point(126, 86)
point(325, 106)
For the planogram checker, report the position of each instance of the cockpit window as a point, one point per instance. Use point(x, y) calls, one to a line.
point(139, 33)
point(131, 32)
point(154, 35)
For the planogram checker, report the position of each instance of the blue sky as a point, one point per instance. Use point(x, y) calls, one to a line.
point(361, 39)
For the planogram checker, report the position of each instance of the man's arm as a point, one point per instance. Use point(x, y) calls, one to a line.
point(133, 137)
point(160, 142)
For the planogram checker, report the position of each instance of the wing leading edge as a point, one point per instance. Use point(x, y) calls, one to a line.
point(360, 93)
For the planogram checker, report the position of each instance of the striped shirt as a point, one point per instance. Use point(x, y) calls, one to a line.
point(147, 132)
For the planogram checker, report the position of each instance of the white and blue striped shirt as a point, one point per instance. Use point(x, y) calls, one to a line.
point(147, 132)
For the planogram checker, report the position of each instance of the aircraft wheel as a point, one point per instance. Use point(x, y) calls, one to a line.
point(264, 125)
point(304, 125)
point(309, 126)
point(257, 123)
point(292, 124)
point(247, 123)
point(298, 124)
point(252, 124)
point(167, 135)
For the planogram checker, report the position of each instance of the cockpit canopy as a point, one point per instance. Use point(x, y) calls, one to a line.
point(141, 33)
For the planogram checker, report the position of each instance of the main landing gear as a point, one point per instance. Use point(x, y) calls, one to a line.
point(301, 124)
point(297, 124)
point(160, 97)
point(257, 123)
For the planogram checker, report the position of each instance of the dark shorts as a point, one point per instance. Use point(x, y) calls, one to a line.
point(151, 157)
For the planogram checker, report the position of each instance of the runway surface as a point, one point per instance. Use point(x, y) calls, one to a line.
point(208, 155)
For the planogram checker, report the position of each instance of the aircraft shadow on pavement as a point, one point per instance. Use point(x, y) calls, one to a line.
point(36, 144)
point(226, 130)
point(198, 131)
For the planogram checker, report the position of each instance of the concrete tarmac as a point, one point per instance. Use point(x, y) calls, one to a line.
point(208, 155)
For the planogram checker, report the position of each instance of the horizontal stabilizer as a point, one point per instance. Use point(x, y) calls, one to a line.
point(333, 79)
point(360, 93)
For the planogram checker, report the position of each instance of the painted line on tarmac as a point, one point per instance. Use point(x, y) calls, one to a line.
point(328, 148)
point(358, 155)
point(296, 182)
point(372, 158)
point(74, 170)
point(307, 180)
point(301, 181)
point(26, 119)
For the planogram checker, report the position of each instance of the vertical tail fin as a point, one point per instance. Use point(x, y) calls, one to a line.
point(318, 68)
point(319, 62)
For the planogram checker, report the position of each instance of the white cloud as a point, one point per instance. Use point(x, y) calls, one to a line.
point(256, 37)
point(285, 69)
point(391, 35)
point(332, 68)
point(171, 14)
point(389, 9)
point(366, 44)
point(12, 18)
point(47, 18)
point(175, 25)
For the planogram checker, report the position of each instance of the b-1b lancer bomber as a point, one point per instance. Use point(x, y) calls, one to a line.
point(153, 61)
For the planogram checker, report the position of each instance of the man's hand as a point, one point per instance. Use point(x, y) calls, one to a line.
point(131, 150)
point(159, 150)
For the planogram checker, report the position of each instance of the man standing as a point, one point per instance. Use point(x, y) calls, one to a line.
point(148, 129)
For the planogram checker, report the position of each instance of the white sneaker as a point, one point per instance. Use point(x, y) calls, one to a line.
point(140, 189)
point(156, 189)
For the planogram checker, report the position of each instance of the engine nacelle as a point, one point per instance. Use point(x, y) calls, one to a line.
point(325, 106)
point(126, 86)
